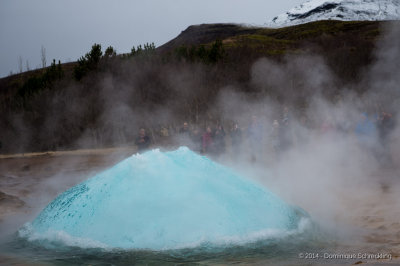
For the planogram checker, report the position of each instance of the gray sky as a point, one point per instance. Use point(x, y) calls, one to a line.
point(68, 28)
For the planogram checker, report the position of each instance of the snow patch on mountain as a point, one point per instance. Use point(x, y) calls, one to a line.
point(347, 10)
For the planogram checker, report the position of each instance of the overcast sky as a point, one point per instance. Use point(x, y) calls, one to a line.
point(68, 28)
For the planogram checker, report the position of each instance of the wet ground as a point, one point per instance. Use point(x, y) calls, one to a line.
point(29, 182)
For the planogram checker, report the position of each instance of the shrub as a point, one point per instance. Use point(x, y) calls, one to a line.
point(89, 62)
point(36, 84)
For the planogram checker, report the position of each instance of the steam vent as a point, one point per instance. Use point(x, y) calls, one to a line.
point(163, 200)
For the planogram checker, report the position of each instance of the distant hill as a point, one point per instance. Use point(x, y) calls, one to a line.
point(337, 41)
point(207, 33)
point(265, 41)
point(49, 109)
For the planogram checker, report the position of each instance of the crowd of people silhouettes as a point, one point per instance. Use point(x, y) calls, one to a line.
point(259, 137)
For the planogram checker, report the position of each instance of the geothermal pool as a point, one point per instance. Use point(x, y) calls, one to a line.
point(168, 207)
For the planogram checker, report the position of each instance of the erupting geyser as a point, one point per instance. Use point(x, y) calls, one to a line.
point(163, 200)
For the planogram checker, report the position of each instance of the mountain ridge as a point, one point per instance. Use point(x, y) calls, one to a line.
point(345, 10)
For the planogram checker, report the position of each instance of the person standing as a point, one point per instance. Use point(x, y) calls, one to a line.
point(142, 141)
point(219, 140)
point(196, 140)
point(184, 135)
point(207, 140)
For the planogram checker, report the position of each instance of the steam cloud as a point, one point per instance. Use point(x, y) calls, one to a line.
point(326, 172)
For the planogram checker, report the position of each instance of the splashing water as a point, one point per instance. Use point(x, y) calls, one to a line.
point(163, 200)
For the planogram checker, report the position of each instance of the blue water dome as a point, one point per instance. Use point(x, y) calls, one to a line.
point(164, 200)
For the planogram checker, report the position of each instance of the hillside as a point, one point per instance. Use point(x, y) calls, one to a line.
point(335, 40)
point(206, 33)
point(262, 41)
point(183, 76)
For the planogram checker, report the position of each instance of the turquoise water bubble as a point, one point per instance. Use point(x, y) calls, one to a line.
point(164, 200)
